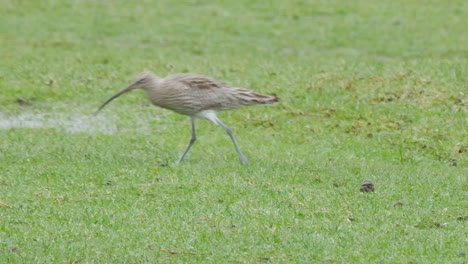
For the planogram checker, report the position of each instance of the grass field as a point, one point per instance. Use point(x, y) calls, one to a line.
point(369, 90)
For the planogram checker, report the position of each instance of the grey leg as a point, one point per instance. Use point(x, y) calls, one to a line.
point(192, 140)
point(242, 158)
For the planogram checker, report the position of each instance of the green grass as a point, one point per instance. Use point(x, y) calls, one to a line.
point(369, 90)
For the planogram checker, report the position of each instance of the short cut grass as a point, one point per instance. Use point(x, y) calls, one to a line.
point(370, 90)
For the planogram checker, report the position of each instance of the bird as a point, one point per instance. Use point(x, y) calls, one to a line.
point(196, 96)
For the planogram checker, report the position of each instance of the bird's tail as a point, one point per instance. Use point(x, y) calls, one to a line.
point(250, 98)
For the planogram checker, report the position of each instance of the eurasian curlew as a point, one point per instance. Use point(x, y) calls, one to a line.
point(196, 96)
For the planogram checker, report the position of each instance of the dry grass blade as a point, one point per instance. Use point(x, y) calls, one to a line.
point(2, 204)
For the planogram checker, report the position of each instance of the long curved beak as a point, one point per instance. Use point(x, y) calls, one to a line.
point(128, 89)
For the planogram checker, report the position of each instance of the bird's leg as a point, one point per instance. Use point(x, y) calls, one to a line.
point(192, 140)
point(242, 158)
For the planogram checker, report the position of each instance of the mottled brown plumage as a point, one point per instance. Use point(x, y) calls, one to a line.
point(197, 96)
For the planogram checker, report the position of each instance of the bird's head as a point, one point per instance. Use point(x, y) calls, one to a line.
point(144, 80)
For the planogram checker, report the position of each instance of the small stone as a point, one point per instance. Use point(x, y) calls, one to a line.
point(367, 186)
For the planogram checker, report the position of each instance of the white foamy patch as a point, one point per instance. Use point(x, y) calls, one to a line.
point(69, 123)
point(90, 124)
point(22, 120)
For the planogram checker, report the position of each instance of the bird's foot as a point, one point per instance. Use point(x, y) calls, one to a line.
point(243, 160)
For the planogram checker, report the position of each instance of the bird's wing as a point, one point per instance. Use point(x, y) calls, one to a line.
point(198, 82)
point(198, 93)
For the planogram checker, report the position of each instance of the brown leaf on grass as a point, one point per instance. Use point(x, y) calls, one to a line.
point(367, 186)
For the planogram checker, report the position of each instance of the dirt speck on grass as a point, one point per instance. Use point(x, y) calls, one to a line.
point(14, 248)
point(23, 102)
point(108, 182)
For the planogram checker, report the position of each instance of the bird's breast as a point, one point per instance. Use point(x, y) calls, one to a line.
point(177, 101)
